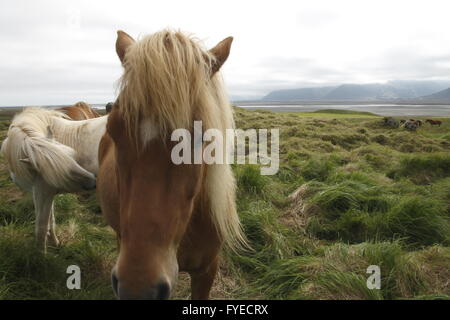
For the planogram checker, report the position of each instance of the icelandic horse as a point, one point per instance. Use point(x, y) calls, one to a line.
point(48, 153)
point(167, 217)
point(79, 111)
point(434, 122)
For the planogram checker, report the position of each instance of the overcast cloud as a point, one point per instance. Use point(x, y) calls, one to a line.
point(60, 52)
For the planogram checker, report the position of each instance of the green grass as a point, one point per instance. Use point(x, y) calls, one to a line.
point(420, 220)
point(349, 193)
point(249, 178)
point(339, 272)
point(423, 168)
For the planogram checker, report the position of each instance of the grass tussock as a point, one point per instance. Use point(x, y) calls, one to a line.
point(355, 212)
point(423, 168)
point(340, 272)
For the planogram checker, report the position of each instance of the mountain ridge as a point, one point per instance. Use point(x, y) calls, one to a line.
point(389, 91)
point(443, 95)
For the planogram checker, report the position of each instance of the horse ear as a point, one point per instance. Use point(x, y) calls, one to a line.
point(221, 52)
point(122, 43)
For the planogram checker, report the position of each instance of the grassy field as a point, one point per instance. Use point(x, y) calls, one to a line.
point(349, 193)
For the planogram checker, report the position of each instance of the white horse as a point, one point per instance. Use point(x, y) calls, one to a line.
point(47, 153)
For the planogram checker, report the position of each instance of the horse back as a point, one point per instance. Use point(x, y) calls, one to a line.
point(80, 111)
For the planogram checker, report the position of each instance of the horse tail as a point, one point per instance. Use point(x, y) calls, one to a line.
point(28, 151)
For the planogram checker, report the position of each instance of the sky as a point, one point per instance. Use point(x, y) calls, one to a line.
point(61, 52)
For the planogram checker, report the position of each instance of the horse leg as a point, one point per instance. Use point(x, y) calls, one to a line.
point(43, 201)
point(202, 281)
point(52, 225)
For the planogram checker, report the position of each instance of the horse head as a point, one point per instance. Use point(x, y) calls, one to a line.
point(168, 82)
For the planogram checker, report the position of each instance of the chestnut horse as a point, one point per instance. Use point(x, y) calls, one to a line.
point(168, 218)
point(434, 122)
point(79, 111)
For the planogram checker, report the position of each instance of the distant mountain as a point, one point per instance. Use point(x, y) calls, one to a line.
point(392, 90)
point(235, 97)
point(443, 95)
point(417, 88)
point(299, 94)
point(363, 92)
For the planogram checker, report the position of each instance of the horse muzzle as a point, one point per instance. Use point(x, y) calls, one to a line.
point(160, 291)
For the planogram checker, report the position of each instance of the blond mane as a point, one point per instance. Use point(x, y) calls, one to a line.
point(167, 79)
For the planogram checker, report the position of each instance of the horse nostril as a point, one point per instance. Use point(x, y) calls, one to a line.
point(163, 291)
point(90, 184)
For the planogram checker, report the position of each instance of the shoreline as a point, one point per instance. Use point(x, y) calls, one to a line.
point(377, 109)
point(381, 109)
